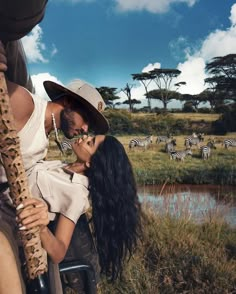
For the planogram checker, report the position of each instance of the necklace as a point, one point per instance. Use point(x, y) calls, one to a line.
point(65, 144)
point(55, 127)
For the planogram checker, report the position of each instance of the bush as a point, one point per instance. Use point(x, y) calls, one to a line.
point(188, 107)
point(119, 121)
point(204, 110)
point(122, 122)
point(227, 121)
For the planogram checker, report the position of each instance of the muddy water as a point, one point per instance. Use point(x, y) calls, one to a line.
point(199, 202)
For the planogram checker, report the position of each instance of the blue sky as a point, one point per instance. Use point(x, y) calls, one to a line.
point(104, 41)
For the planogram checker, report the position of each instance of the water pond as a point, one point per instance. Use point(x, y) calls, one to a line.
point(199, 202)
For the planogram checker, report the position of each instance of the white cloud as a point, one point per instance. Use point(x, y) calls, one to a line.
point(233, 15)
point(54, 50)
point(38, 83)
point(217, 43)
point(153, 6)
point(33, 46)
point(151, 66)
point(193, 73)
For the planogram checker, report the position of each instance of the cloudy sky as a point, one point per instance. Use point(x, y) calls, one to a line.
point(105, 41)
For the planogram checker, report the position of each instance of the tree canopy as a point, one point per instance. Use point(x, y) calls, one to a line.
point(109, 95)
point(145, 78)
point(222, 70)
point(165, 96)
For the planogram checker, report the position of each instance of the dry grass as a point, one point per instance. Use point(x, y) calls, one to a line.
point(196, 116)
point(178, 256)
point(191, 116)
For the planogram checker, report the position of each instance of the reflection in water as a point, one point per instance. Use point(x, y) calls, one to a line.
point(196, 201)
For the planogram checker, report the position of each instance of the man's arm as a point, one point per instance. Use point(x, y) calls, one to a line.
point(21, 101)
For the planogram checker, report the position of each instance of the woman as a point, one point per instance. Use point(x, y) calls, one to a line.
point(103, 172)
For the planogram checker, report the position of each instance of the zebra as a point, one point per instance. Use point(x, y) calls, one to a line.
point(229, 143)
point(190, 141)
point(138, 142)
point(169, 147)
point(180, 155)
point(64, 145)
point(165, 139)
point(205, 150)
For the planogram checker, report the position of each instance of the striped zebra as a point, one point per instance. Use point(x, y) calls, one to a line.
point(170, 147)
point(64, 145)
point(180, 155)
point(138, 142)
point(190, 141)
point(205, 150)
point(165, 139)
point(229, 143)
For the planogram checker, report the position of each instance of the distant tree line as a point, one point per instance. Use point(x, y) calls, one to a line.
point(220, 93)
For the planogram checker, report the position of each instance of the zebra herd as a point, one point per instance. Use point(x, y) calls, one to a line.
point(189, 142)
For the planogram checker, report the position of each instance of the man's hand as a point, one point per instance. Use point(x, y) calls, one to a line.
point(3, 59)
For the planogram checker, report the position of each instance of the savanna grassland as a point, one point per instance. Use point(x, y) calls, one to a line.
point(175, 254)
point(153, 166)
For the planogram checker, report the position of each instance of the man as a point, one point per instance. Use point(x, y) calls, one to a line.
point(73, 110)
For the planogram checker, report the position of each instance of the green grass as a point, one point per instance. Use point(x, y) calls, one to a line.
point(153, 166)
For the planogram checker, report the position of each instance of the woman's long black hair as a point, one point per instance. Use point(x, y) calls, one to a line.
point(115, 206)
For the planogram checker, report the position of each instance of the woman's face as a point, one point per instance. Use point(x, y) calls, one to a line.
point(84, 148)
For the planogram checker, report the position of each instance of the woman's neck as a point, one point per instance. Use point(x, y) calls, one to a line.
point(76, 167)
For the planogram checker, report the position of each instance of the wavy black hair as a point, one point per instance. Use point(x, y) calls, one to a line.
point(115, 206)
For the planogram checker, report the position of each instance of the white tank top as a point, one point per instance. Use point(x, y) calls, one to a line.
point(33, 139)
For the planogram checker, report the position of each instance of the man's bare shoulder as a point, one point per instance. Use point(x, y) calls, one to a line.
point(22, 104)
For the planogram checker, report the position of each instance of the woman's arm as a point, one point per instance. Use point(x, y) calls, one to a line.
point(57, 245)
point(35, 213)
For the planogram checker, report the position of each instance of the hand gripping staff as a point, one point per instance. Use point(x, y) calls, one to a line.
point(17, 18)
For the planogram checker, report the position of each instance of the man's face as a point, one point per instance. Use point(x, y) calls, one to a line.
point(73, 123)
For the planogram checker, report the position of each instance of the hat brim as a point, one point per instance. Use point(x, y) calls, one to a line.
point(98, 123)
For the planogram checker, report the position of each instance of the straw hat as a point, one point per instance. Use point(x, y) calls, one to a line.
point(87, 95)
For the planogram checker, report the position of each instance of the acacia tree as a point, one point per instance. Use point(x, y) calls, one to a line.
point(132, 102)
point(145, 78)
point(194, 100)
point(214, 98)
point(164, 77)
point(127, 91)
point(165, 96)
point(222, 70)
point(109, 95)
